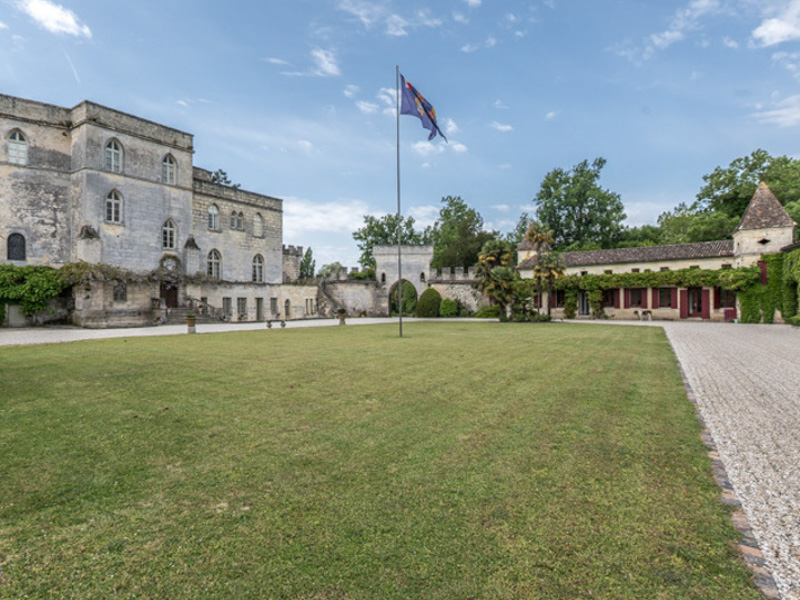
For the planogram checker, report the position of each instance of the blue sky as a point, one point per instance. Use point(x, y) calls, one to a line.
point(295, 99)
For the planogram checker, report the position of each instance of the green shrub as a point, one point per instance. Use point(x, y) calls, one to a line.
point(428, 304)
point(488, 312)
point(794, 321)
point(448, 308)
point(409, 299)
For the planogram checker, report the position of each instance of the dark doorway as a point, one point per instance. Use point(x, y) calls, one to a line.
point(169, 294)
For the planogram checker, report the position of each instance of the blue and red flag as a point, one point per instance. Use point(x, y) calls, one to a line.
point(413, 103)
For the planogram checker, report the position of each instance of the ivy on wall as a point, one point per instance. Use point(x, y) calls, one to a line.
point(30, 287)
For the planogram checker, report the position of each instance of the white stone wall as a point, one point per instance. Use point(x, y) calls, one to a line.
point(748, 246)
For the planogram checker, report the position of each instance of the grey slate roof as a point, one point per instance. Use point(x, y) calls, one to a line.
point(764, 211)
point(585, 258)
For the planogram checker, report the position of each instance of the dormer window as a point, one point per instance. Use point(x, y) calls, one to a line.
point(764, 241)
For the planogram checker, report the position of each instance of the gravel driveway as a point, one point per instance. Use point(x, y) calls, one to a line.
point(746, 380)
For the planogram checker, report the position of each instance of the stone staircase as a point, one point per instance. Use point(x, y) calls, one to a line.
point(177, 316)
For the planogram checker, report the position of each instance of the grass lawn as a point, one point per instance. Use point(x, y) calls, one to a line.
point(467, 460)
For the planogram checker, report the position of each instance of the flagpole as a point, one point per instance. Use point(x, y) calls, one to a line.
point(399, 253)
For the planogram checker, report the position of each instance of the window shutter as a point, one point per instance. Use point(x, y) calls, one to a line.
point(674, 298)
point(644, 298)
point(717, 298)
point(627, 298)
point(684, 304)
point(705, 310)
point(763, 266)
point(656, 299)
point(616, 298)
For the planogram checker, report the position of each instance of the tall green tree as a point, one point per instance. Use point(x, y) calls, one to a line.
point(540, 238)
point(381, 231)
point(307, 264)
point(495, 276)
point(730, 189)
point(457, 235)
point(326, 270)
point(577, 209)
point(684, 225)
point(549, 267)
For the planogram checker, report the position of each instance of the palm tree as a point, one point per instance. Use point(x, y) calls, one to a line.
point(549, 267)
point(540, 238)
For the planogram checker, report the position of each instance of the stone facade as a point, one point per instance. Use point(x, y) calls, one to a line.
point(94, 184)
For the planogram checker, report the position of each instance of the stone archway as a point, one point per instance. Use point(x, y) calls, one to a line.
point(410, 297)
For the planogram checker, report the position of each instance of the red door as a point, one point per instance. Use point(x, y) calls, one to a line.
point(684, 294)
point(705, 308)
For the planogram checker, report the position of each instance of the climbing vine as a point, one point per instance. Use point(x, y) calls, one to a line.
point(31, 287)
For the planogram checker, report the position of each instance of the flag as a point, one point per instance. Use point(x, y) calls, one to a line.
point(413, 103)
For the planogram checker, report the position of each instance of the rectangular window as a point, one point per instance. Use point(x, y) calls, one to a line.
point(637, 297)
point(241, 307)
point(203, 305)
point(665, 268)
point(120, 292)
point(665, 297)
point(558, 299)
point(634, 270)
point(273, 306)
point(727, 298)
point(227, 306)
point(608, 298)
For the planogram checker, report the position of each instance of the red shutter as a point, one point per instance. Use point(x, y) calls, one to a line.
point(644, 297)
point(763, 266)
point(674, 298)
point(656, 299)
point(616, 298)
point(684, 304)
point(717, 298)
point(706, 308)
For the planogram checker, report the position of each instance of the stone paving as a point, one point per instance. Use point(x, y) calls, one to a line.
point(745, 381)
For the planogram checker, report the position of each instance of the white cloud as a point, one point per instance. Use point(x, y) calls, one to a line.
point(424, 215)
point(490, 42)
point(473, 3)
point(306, 146)
point(396, 25)
point(54, 17)
point(666, 39)
point(367, 108)
point(788, 60)
point(469, 48)
point(303, 216)
point(424, 18)
point(450, 127)
point(426, 148)
point(275, 61)
point(366, 12)
point(783, 28)
point(325, 61)
point(458, 147)
point(785, 114)
point(3, 25)
point(499, 104)
point(503, 128)
point(460, 18)
point(730, 43)
point(551, 115)
point(502, 207)
point(351, 91)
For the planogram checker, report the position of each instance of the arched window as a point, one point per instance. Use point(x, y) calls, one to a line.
point(214, 264)
point(383, 277)
point(168, 235)
point(213, 217)
point(240, 221)
point(17, 148)
point(168, 167)
point(258, 268)
point(258, 225)
point(422, 277)
point(15, 246)
point(114, 207)
point(233, 220)
point(114, 156)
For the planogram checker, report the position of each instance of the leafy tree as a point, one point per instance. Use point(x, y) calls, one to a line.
point(577, 209)
point(330, 268)
point(684, 225)
point(457, 235)
point(730, 189)
point(307, 265)
point(540, 238)
point(221, 177)
point(644, 235)
point(516, 235)
point(409, 299)
point(381, 231)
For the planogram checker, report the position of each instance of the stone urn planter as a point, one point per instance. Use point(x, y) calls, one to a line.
point(341, 313)
point(191, 323)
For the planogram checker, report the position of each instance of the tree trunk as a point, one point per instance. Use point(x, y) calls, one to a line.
point(549, 295)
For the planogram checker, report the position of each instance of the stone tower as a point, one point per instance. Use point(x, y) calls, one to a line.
point(765, 228)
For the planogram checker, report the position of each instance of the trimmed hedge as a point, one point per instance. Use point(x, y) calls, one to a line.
point(488, 312)
point(448, 308)
point(428, 304)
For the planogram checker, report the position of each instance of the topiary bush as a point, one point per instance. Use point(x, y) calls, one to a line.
point(448, 308)
point(428, 304)
point(488, 312)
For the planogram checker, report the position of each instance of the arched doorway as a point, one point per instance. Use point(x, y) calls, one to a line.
point(287, 309)
point(409, 299)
